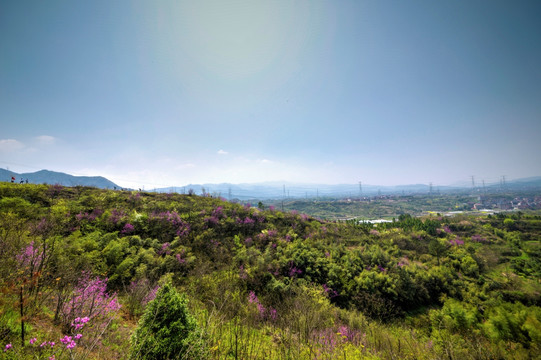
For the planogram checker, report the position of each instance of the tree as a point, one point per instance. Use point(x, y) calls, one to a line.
point(437, 249)
point(167, 330)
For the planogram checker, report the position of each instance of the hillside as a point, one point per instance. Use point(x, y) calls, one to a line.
point(259, 283)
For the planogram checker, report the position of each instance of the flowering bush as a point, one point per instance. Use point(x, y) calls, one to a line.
point(89, 301)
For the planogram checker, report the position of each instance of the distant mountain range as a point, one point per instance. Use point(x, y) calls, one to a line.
point(276, 190)
point(53, 177)
point(271, 190)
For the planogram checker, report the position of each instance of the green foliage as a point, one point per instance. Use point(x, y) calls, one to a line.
point(514, 322)
point(455, 316)
point(167, 330)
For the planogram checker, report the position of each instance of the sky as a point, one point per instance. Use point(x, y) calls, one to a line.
point(169, 93)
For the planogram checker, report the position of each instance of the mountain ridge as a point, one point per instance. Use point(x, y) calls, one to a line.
point(269, 189)
point(54, 177)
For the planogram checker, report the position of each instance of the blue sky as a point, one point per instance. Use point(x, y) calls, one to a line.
point(167, 93)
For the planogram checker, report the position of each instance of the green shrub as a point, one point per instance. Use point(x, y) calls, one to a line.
point(167, 330)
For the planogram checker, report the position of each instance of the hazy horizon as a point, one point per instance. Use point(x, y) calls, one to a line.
point(166, 93)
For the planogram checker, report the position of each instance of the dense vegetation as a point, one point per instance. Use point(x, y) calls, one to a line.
point(87, 273)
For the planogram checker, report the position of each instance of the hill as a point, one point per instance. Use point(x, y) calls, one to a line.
point(53, 177)
point(261, 283)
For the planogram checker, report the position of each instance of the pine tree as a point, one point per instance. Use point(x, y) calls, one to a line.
point(167, 330)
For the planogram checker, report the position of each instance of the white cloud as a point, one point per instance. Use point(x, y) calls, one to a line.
point(46, 139)
point(7, 145)
point(222, 152)
point(265, 161)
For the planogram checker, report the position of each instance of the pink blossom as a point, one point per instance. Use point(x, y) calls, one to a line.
point(151, 295)
point(30, 256)
point(66, 339)
point(8, 346)
point(252, 298)
point(261, 310)
point(128, 229)
point(90, 298)
point(180, 257)
point(272, 314)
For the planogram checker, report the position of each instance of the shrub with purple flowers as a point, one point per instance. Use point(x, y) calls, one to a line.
point(456, 241)
point(167, 225)
point(479, 239)
point(262, 312)
point(128, 229)
point(91, 300)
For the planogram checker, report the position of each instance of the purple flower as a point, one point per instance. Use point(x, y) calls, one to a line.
point(165, 249)
point(116, 216)
point(293, 270)
point(330, 292)
point(261, 310)
point(151, 295)
point(30, 256)
point(213, 220)
point(252, 298)
point(242, 273)
point(218, 212)
point(128, 229)
point(478, 238)
point(66, 339)
point(180, 257)
point(32, 341)
point(272, 314)
point(8, 346)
